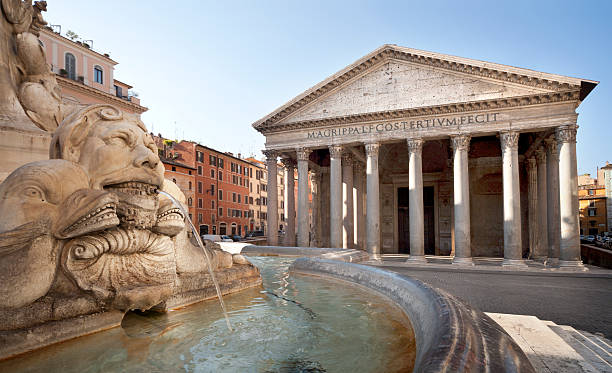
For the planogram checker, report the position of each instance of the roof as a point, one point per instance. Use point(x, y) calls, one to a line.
point(52, 33)
point(458, 64)
point(171, 162)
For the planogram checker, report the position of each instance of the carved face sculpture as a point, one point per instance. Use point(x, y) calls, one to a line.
point(118, 155)
point(42, 203)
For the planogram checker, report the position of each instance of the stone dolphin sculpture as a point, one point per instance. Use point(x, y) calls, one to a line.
point(41, 204)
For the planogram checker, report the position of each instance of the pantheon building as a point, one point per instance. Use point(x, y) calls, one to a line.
point(422, 153)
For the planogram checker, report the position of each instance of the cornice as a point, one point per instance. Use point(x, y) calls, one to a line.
point(469, 106)
point(549, 82)
point(106, 97)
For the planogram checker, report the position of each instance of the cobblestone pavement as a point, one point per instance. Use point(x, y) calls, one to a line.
point(584, 303)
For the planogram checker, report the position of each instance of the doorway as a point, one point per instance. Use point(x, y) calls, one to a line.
point(403, 220)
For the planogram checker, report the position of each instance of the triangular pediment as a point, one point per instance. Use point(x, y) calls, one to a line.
point(395, 79)
point(398, 85)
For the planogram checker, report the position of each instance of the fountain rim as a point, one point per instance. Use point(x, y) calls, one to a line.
point(450, 335)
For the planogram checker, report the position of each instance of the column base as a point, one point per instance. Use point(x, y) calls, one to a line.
point(376, 257)
point(416, 259)
point(572, 265)
point(514, 263)
point(463, 261)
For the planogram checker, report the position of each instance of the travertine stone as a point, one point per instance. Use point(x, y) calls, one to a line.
point(415, 195)
point(461, 183)
point(360, 210)
point(271, 165)
point(335, 195)
point(541, 251)
point(552, 181)
point(372, 202)
point(347, 201)
point(532, 192)
point(316, 209)
point(569, 255)
point(512, 207)
point(289, 239)
point(303, 224)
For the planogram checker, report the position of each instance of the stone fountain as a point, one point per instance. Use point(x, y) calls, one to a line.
point(84, 234)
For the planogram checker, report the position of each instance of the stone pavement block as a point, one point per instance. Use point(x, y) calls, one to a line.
point(546, 350)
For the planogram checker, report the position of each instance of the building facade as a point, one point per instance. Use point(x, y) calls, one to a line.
point(423, 153)
point(86, 76)
point(593, 209)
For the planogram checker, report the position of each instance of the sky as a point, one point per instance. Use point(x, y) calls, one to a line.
point(208, 69)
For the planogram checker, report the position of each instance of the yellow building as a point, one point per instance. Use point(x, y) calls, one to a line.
point(593, 215)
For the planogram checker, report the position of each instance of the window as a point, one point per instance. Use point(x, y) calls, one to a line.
point(220, 163)
point(220, 211)
point(239, 198)
point(212, 160)
point(118, 91)
point(98, 75)
point(212, 189)
point(592, 212)
point(212, 173)
point(199, 156)
point(199, 218)
point(220, 175)
point(212, 205)
point(591, 192)
point(251, 200)
point(222, 228)
point(189, 172)
point(200, 187)
point(246, 200)
point(199, 170)
point(70, 66)
point(199, 203)
point(190, 184)
point(203, 229)
point(190, 201)
point(173, 168)
point(591, 203)
point(220, 195)
point(233, 197)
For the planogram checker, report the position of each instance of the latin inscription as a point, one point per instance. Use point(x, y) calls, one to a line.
point(404, 125)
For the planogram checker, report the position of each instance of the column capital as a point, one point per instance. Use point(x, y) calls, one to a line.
point(347, 159)
point(551, 147)
point(531, 163)
point(303, 154)
point(372, 149)
point(460, 142)
point(335, 151)
point(288, 162)
point(270, 154)
point(565, 134)
point(540, 154)
point(415, 145)
point(509, 139)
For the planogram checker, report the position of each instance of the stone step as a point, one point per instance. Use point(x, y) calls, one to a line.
point(594, 349)
point(548, 349)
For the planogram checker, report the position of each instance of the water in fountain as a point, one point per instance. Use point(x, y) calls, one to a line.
point(199, 241)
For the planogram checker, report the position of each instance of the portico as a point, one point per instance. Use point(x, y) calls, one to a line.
point(459, 157)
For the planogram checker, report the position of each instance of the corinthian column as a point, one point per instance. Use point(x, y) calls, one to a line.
point(512, 206)
point(272, 235)
point(316, 209)
point(461, 187)
point(347, 201)
point(541, 252)
point(415, 197)
point(552, 180)
point(303, 226)
point(289, 164)
point(335, 195)
point(569, 255)
point(359, 232)
point(372, 202)
point(532, 193)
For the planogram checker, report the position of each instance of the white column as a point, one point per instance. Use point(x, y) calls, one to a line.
point(461, 188)
point(541, 252)
point(316, 209)
point(335, 196)
point(272, 197)
point(359, 205)
point(552, 180)
point(513, 252)
point(415, 199)
point(569, 255)
point(303, 224)
point(347, 201)
point(289, 239)
point(372, 202)
point(532, 193)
